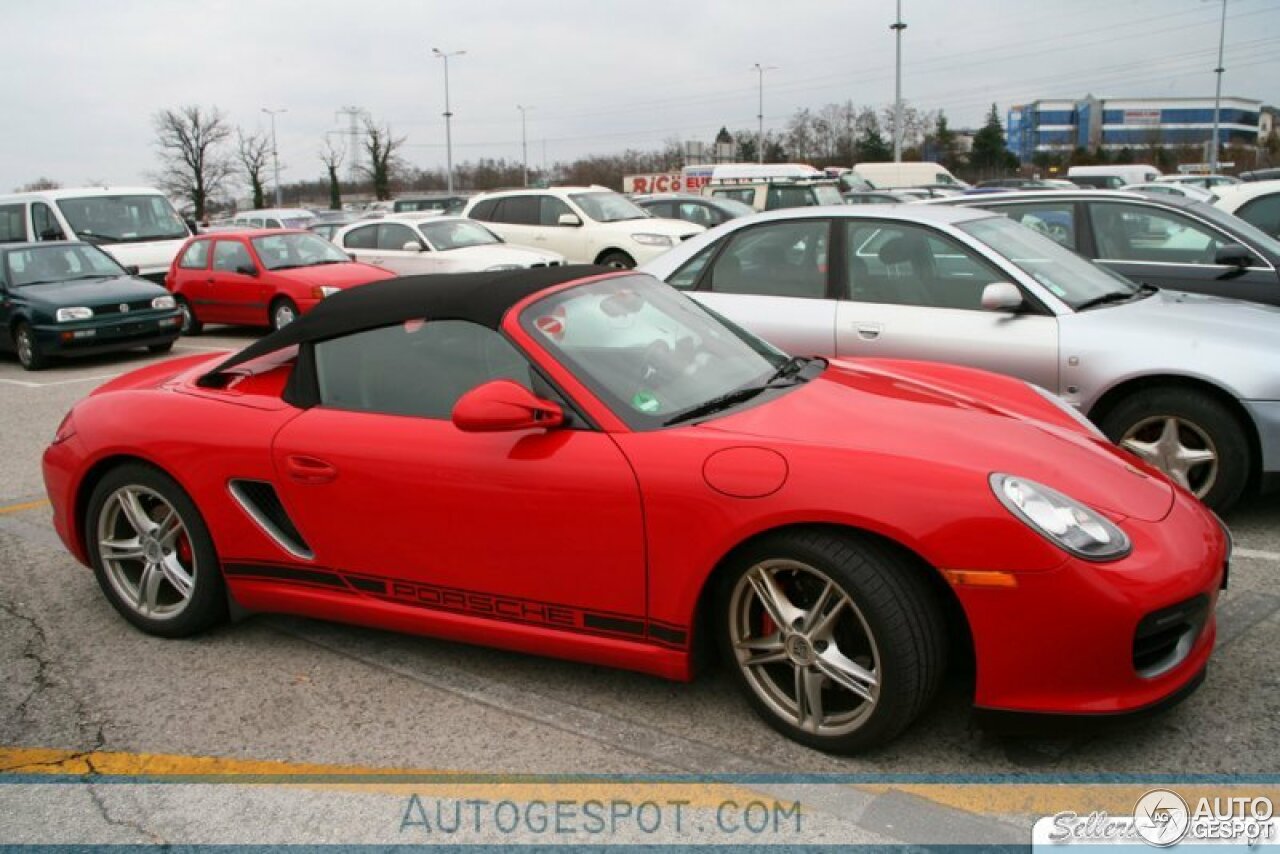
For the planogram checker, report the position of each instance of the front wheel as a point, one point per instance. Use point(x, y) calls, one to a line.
point(191, 324)
point(160, 348)
point(283, 312)
point(1192, 437)
point(618, 260)
point(836, 641)
point(152, 553)
point(30, 356)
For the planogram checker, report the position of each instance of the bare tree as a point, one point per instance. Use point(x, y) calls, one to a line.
point(194, 164)
point(384, 160)
point(40, 183)
point(332, 156)
point(252, 151)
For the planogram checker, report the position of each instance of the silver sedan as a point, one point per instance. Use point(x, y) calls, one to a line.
point(1190, 383)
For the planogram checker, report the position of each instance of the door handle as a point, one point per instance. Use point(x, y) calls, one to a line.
point(867, 331)
point(309, 470)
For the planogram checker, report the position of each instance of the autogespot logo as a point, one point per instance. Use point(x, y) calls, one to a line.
point(1161, 817)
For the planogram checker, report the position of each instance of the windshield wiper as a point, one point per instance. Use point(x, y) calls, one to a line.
point(1118, 296)
point(785, 375)
point(90, 237)
point(327, 261)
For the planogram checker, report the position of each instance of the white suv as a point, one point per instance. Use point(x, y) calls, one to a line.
point(587, 225)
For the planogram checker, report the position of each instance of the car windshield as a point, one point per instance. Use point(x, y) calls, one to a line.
point(287, 251)
point(456, 234)
point(606, 206)
point(296, 221)
point(1071, 278)
point(827, 194)
point(647, 351)
point(58, 262)
point(123, 219)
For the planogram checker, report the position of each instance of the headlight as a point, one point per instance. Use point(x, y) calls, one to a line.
point(1075, 414)
point(322, 291)
point(1065, 522)
point(654, 239)
point(163, 302)
point(496, 267)
point(65, 315)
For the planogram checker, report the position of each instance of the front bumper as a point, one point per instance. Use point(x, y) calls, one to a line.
point(1067, 641)
point(111, 332)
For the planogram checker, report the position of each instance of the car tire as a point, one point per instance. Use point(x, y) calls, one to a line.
point(191, 324)
point(27, 346)
point(882, 631)
point(617, 259)
point(1201, 424)
point(283, 312)
point(160, 348)
point(168, 582)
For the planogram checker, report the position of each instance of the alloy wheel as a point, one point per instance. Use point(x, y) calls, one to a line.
point(146, 551)
point(26, 347)
point(1178, 447)
point(283, 316)
point(804, 647)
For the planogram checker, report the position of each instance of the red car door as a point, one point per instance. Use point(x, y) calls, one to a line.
point(536, 526)
point(235, 295)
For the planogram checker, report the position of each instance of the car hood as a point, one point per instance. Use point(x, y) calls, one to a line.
point(500, 253)
point(92, 292)
point(1198, 317)
point(894, 411)
point(336, 275)
point(653, 225)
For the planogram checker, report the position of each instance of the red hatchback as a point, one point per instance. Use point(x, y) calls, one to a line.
point(259, 277)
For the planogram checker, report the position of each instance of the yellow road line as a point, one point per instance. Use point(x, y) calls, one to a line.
point(26, 505)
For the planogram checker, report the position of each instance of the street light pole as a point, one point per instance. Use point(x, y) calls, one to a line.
point(897, 27)
point(760, 70)
point(524, 142)
point(1217, 95)
point(448, 115)
point(275, 152)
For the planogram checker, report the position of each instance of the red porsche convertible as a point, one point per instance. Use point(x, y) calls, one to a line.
point(587, 464)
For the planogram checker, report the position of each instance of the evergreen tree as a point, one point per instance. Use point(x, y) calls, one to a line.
point(989, 154)
point(944, 144)
point(871, 146)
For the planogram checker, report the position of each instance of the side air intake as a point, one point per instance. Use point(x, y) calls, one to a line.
point(260, 501)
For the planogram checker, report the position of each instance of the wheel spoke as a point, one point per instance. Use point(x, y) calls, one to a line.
point(1169, 440)
point(771, 597)
point(167, 529)
point(131, 506)
point(764, 650)
point(120, 549)
point(823, 617)
point(1147, 450)
point(847, 673)
point(808, 698)
point(149, 588)
point(176, 574)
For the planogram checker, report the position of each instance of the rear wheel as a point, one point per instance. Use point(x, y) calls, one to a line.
point(161, 348)
point(30, 356)
point(1190, 436)
point(836, 641)
point(283, 312)
point(617, 259)
point(191, 325)
point(152, 553)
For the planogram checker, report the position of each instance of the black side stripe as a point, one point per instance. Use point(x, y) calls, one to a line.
point(322, 577)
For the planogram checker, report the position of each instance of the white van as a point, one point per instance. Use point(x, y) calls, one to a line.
point(274, 218)
point(135, 225)
point(1112, 177)
point(885, 176)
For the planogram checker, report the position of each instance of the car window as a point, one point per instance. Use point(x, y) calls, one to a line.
point(665, 210)
point(196, 257)
point(365, 237)
point(1263, 213)
point(519, 210)
point(551, 210)
point(687, 276)
point(745, 195)
point(1128, 232)
point(905, 264)
point(230, 254)
point(698, 214)
point(418, 368)
point(780, 259)
point(393, 236)
point(1052, 219)
point(483, 210)
point(13, 228)
point(44, 223)
point(782, 196)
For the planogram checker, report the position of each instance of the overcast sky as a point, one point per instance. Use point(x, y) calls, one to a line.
point(84, 77)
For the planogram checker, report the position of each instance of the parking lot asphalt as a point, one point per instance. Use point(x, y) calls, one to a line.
point(76, 678)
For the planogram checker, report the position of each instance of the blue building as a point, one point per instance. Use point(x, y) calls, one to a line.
point(1058, 126)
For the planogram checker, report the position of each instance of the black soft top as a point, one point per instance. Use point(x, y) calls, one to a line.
point(481, 298)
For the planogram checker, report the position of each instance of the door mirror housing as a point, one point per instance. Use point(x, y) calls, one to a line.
point(413, 246)
point(247, 270)
point(1001, 296)
point(502, 406)
point(1233, 255)
point(132, 269)
point(569, 219)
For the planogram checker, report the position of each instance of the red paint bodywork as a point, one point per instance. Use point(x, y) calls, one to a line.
point(598, 545)
point(224, 296)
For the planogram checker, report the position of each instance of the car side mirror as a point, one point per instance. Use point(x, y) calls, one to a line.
point(1001, 296)
point(501, 406)
point(413, 246)
point(569, 219)
point(1233, 255)
point(132, 269)
point(247, 270)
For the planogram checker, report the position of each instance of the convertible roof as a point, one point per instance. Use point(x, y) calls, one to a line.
point(481, 298)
